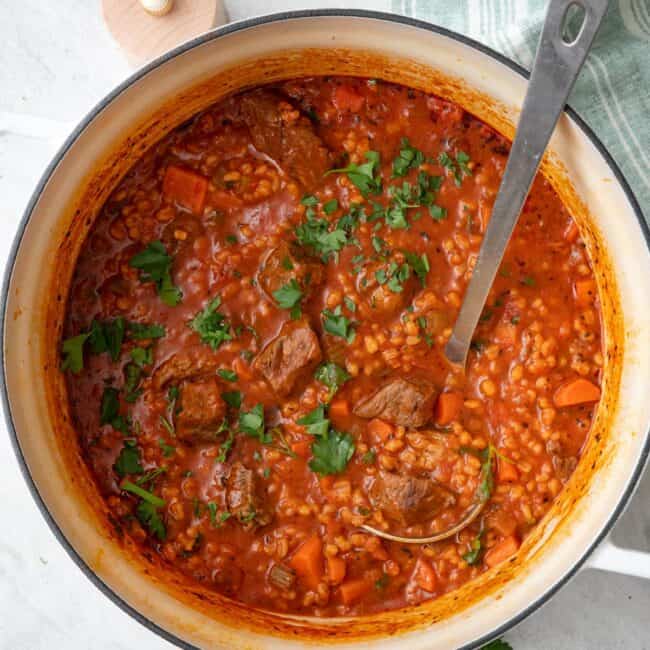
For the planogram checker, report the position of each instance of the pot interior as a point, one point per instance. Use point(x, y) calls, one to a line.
point(166, 94)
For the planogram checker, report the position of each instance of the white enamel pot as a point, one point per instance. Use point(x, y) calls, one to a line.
point(169, 91)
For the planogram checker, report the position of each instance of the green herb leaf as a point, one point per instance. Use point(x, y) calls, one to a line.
point(167, 450)
point(473, 556)
point(486, 486)
point(145, 495)
point(212, 326)
point(315, 421)
point(437, 213)
point(227, 374)
point(529, 281)
point(458, 167)
point(73, 353)
point(338, 325)
point(233, 398)
point(155, 266)
point(363, 176)
point(217, 518)
point(369, 457)
point(289, 296)
point(332, 375)
point(132, 376)
point(128, 460)
point(252, 423)
point(409, 158)
point(330, 206)
point(142, 356)
point(225, 446)
point(309, 200)
point(138, 331)
point(315, 233)
point(331, 453)
point(149, 517)
point(168, 425)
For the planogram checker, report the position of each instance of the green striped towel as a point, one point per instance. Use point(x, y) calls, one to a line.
point(613, 92)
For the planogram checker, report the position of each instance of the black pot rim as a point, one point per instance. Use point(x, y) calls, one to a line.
point(130, 81)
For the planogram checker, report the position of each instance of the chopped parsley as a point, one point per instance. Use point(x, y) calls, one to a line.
point(147, 510)
point(331, 453)
point(330, 206)
point(350, 304)
point(332, 375)
point(473, 556)
point(227, 374)
point(457, 167)
point(408, 158)
point(486, 486)
point(155, 266)
point(217, 518)
point(132, 377)
point(529, 281)
point(211, 325)
point(289, 296)
point(338, 325)
point(369, 457)
point(225, 447)
point(168, 425)
point(315, 422)
point(363, 176)
point(309, 200)
point(128, 460)
point(394, 276)
point(252, 423)
point(107, 336)
point(167, 450)
point(73, 353)
point(109, 412)
point(419, 264)
point(140, 331)
point(142, 356)
point(233, 398)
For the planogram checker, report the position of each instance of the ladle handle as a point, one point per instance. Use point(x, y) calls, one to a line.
point(555, 70)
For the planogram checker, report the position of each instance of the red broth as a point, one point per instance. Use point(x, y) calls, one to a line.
point(254, 349)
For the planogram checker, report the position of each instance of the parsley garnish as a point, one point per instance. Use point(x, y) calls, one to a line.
point(486, 486)
point(168, 425)
point(217, 518)
point(409, 158)
point(332, 375)
point(419, 264)
point(155, 266)
point(128, 460)
point(369, 457)
point(475, 550)
point(225, 447)
point(394, 276)
point(529, 281)
point(132, 376)
point(147, 510)
point(315, 421)
point(232, 398)
point(167, 450)
point(211, 325)
point(309, 200)
point(227, 374)
point(289, 296)
point(107, 336)
point(315, 233)
point(252, 424)
point(142, 356)
point(338, 325)
point(350, 304)
point(330, 206)
point(73, 353)
point(363, 176)
point(331, 453)
point(139, 331)
point(109, 412)
point(457, 167)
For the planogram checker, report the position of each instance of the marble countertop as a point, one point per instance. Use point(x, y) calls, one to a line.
point(56, 61)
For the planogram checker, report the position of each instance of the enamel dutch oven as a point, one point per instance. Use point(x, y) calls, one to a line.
point(168, 92)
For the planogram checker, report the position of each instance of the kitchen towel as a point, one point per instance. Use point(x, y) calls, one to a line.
point(612, 93)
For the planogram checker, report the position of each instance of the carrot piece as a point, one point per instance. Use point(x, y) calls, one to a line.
point(354, 590)
point(584, 292)
point(503, 522)
point(186, 187)
point(425, 575)
point(448, 407)
point(301, 448)
point(339, 408)
point(326, 482)
point(334, 527)
point(347, 98)
point(335, 570)
point(225, 200)
point(505, 332)
point(576, 391)
point(502, 550)
point(380, 429)
point(506, 471)
point(307, 561)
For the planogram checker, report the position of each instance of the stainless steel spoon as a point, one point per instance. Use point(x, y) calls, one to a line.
point(556, 67)
point(555, 70)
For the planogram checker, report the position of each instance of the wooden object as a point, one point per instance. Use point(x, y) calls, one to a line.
point(144, 36)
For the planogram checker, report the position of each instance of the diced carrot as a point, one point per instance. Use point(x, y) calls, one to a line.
point(425, 575)
point(225, 200)
point(584, 292)
point(506, 471)
point(571, 233)
point(380, 429)
point(576, 391)
point(334, 527)
point(326, 482)
point(335, 570)
point(448, 407)
point(339, 408)
point(505, 332)
point(307, 561)
point(346, 98)
point(301, 448)
point(502, 550)
point(502, 522)
point(186, 187)
point(354, 590)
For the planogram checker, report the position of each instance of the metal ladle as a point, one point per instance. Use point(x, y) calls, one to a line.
point(557, 65)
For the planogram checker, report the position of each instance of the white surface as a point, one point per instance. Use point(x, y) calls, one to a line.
point(56, 61)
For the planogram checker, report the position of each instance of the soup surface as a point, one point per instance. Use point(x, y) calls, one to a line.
point(254, 349)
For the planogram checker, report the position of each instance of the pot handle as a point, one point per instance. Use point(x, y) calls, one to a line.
point(610, 557)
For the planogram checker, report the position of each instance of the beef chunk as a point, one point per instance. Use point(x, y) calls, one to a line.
point(407, 499)
point(563, 463)
point(293, 352)
point(408, 402)
point(191, 362)
point(283, 264)
point(379, 298)
point(242, 499)
point(200, 410)
point(284, 134)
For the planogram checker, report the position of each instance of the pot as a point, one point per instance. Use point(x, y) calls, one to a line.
point(167, 92)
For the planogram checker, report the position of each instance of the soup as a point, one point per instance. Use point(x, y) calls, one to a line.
point(254, 349)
